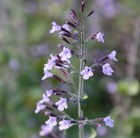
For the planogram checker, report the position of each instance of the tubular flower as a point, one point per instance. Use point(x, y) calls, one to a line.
point(51, 121)
point(99, 37)
point(47, 74)
point(112, 55)
point(39, 107)
point(49, 93)
point(62, 104)
point(108, 121)
point(107, 70)
point(45, 130)
point(55, 27)
point(51, 63)
point(64, 124)
point(86, 73)
point(65, 54)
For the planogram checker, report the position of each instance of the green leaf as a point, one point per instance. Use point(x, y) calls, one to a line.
point(93, 133)
point(130, 88)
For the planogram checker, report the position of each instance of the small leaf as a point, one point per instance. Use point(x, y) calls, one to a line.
point(85, 97)
point(93, 133)
point(130, 88)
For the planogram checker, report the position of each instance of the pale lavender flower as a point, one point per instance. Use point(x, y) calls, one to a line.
point(87, 72)
point(45, 130)
point(55, 27)
point(62, 104)
point(39, 107)
point(64, 124)
point(44, 99)
point(40, 104)
point(65, 26)
point(99, 37)
point(65, 54)
point(49, 93)
point(101, 131)
point(112, 87)
point(108, 121)
point(51, 121)
point(47, 74)
point(107, 70)
point(51, 63)
point(112, 55)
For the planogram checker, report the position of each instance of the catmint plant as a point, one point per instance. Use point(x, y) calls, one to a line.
point(72, 33)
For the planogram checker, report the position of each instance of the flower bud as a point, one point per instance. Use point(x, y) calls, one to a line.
point(82, 6)
point(74, 14)
point(64, 39)
point(90, 13)
point(71, 24)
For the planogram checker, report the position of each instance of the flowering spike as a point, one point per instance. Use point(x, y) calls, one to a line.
point(62, 63)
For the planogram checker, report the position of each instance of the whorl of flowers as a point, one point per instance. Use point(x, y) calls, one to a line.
point(71, 33)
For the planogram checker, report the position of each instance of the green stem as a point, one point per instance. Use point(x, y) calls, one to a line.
point(81, 81)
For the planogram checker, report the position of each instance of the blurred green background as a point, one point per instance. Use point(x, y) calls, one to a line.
point(25, 45)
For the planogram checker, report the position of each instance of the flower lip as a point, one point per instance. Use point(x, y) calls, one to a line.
point(112, 55)
point(99, 37)
point(45, 130)
point(108, 121)
point(87, 72)
point(107, 70)
point(55, 27)
point(51, 121)
point(62, 104)
point(65, 55)
point(64, 124)
point(47, 74)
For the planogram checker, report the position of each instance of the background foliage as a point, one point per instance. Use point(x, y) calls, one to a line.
point(25, 45)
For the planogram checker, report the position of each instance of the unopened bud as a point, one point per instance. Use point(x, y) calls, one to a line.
point(82, 6)
point(90, 13)
point(74, 14)
point(64, 39)
point(61, 46)
point(71, 24)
